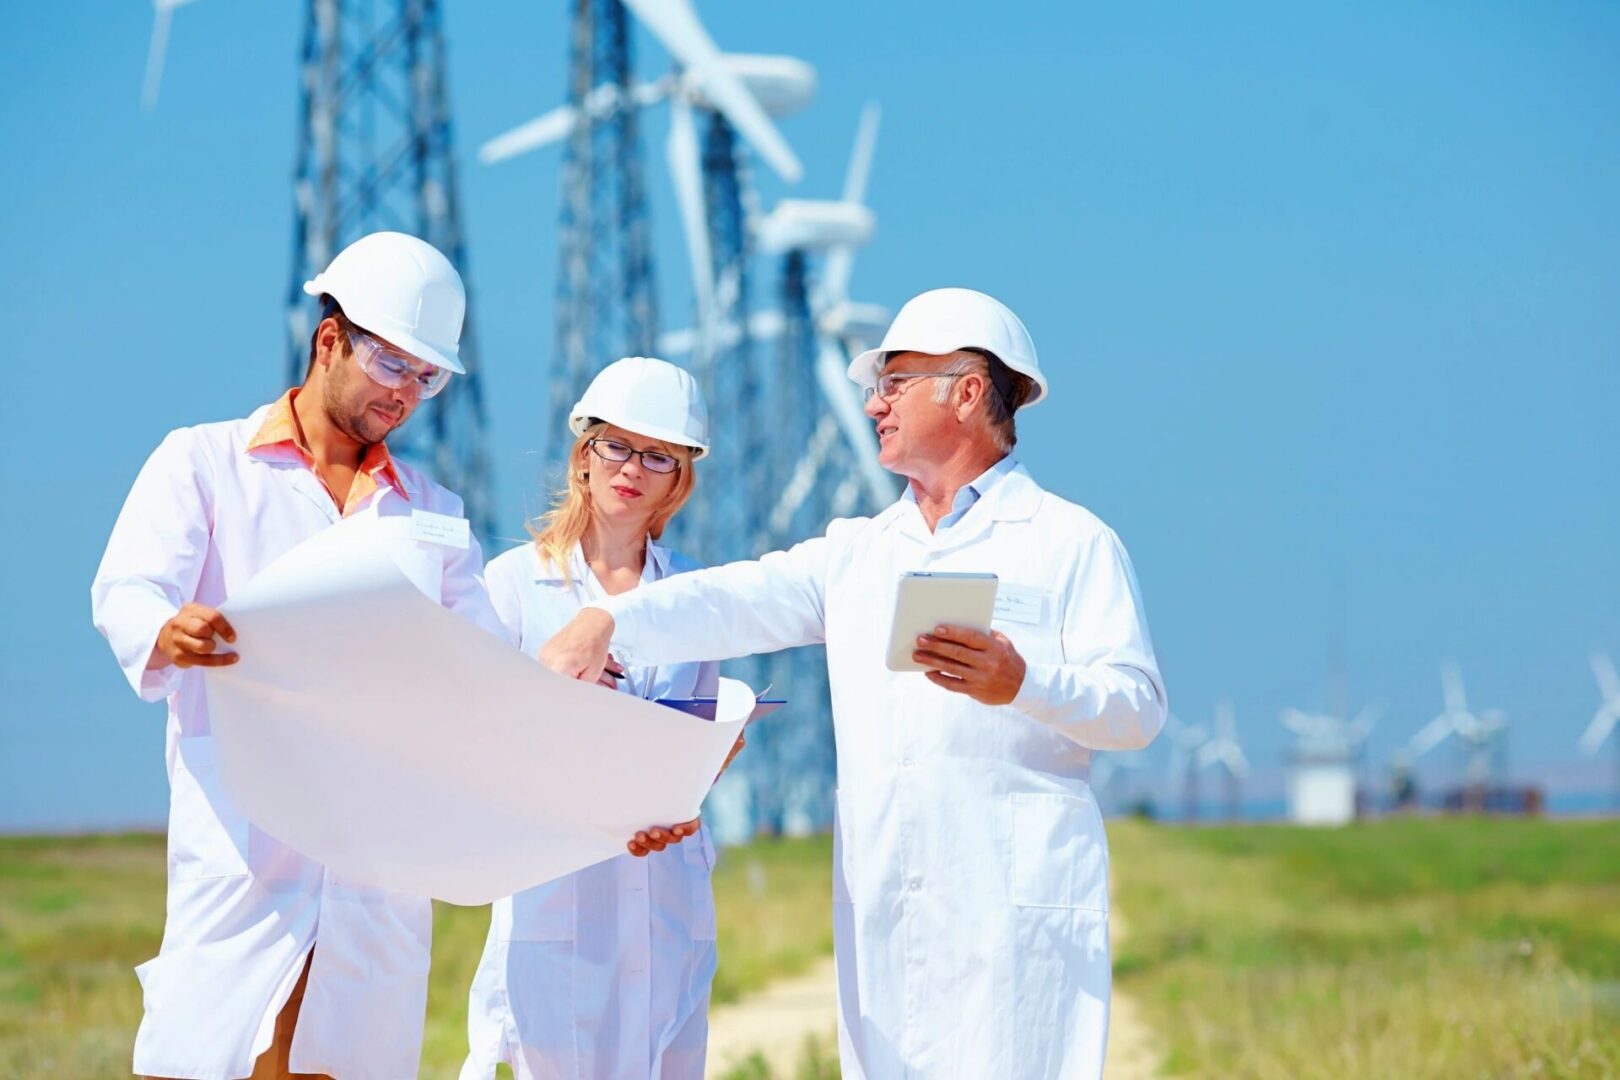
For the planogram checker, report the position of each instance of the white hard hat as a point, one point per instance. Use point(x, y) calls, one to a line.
point(404, 291)
point(650, 397)
point(942, 321)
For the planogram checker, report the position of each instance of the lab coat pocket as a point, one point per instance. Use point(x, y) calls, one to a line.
point(545, 912)
point(208, 836)
point(1059, 852)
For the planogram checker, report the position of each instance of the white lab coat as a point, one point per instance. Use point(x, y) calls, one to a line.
point(603, 974)
point(970, 879)
point(244, 909)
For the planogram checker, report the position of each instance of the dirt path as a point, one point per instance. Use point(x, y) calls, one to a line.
point(1133, 1049)
point(776, 1022)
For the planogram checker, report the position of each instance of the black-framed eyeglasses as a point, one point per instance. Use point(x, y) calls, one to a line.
point(889, 383)
point(654, 461)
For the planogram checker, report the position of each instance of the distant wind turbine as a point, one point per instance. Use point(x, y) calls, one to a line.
point(162, 15)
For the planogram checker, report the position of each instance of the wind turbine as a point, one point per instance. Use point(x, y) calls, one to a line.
point(1608, 713)
point(1479, 733)
point(1185, 741)
point(843, 442)
point(1223, 750)
point(1109, 769)
point(745, 90)
point(162, 15)
point(832, 328)
point(1322, 774)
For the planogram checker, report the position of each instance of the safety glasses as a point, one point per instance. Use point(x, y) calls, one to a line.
point(889, 385)
point(654, 461)
point(395, 369)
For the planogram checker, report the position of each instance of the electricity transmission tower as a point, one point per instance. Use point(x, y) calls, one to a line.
point(374, 152)
point(605, 304)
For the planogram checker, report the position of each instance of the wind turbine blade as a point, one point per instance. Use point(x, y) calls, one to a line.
point(676, 26)
point(550, 127)
point(1430, 736)
point(1608, 681)
point(861, 436)
point(686, 170)
point(1451, 686)
point(1599, 729)
point(860, 161)
point(1365, 721)
point(162, 13)
point(841, 260)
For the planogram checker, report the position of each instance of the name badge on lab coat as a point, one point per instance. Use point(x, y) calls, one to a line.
point(1019, 604)
point(430, 528)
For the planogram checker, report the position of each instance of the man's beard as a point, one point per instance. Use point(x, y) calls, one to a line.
point(357, 424)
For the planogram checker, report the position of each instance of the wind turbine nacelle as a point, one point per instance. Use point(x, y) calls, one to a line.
point(856, 321)
point(781, 84)
point(815, 225)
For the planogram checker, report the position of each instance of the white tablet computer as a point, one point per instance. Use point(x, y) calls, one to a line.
point(926, 600)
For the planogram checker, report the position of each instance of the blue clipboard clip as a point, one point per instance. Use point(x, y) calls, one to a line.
point(703, 707)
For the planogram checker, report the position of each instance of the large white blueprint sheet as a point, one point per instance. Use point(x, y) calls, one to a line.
point(402, 746)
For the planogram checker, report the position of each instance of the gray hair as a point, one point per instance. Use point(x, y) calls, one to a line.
point(998, 410)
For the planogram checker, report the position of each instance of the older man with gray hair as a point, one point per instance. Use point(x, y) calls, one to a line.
point(970, 892)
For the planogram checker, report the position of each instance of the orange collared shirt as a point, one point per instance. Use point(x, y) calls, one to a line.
point(280, 429)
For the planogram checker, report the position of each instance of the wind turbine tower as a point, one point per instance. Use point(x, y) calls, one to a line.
point(605, 298)
point(1224, 750)
point(1185, 742)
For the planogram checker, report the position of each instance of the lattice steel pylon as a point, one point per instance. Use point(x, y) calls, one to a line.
point(605, 301)
point(374, 153)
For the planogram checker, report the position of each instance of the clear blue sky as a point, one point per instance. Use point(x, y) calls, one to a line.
point(1327, 294)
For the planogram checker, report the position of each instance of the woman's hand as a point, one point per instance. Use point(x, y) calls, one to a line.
point(609, 671)
point(736, 748)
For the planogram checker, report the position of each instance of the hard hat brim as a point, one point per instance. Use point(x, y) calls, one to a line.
point(400, 339)
point(579, 422)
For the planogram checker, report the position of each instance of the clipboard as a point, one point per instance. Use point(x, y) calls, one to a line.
point(703, 707)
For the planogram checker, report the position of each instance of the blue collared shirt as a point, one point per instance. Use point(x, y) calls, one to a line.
point(971, 492)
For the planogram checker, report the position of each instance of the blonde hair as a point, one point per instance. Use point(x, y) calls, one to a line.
point(565, 524)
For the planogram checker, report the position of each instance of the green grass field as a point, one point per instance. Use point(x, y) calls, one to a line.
point(77, 913)
point(1402, 948)
point(1414, 948)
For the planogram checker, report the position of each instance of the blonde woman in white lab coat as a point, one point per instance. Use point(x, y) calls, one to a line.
point(605, 973)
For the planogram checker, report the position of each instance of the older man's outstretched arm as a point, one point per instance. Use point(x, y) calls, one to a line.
point(741, 608)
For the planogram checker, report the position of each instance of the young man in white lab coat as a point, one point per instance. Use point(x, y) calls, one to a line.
point(270, 963)
point(970, 894)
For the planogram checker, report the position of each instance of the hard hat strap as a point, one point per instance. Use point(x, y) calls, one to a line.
point(1000, 376)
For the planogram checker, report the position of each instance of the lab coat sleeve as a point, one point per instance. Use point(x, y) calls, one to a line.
point(506, 597)
point(774, 602)
point(463, 591)
point(154, 558)
point(1107, 693)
